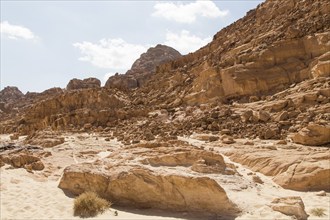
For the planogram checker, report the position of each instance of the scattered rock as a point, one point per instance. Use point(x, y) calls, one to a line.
point(321, 193)
point(313, 134)
point(263, 116)
point(213, 138)
point(45, 139)
point(292, 206)
point(227, 139)
point(14, 136)
point(257, 179)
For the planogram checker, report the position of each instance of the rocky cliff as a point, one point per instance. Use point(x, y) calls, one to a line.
point(275, 45)
point(143, 68)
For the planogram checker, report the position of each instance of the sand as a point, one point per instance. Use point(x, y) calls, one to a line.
point(36, 196)
point(25, 197)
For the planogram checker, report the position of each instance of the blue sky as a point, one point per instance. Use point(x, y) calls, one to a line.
point(44, 44)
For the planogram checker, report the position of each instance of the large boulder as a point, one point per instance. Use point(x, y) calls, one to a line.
point(164, 175)
point(313, 134)
point(292, 206)
point(140, 187)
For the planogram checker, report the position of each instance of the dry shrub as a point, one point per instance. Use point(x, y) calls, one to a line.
point(319, 212)
point(89, 204)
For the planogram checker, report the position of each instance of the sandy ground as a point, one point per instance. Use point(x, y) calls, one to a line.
point(36, 196)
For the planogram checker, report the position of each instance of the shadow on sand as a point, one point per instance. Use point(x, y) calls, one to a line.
point(172, 214)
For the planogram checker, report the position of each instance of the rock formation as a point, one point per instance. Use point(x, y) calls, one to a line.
point(313, 134)
point(143, 68)
point(10, 93)
point(292, 206)
point(305, 170)
point(23, 157)
point(275, 45)
point(8, 97)
point(83, 84)
point(133, 183)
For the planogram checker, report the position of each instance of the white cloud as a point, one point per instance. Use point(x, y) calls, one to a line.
point(110, 53)
point(187, 13)
point(16, 32)
point(185, 42)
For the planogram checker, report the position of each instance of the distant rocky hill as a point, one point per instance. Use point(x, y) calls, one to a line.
point(143, 68)
point(8, 96)
point(10, 93)
point(83, 84)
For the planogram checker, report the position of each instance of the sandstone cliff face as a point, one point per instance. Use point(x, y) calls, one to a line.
point(273, 46)
point(143, 68)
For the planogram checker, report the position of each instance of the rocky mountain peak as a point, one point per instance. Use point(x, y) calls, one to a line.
point(10, 93)
point(143, 68)
point(83, 84)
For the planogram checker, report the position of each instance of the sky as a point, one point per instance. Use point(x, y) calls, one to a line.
point(44, 44)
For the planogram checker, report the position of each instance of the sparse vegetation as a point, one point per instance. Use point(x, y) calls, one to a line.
point(319, 212)
point(89, 204)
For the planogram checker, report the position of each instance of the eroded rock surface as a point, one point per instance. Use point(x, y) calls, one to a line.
point(134, 183)
point(303, 170)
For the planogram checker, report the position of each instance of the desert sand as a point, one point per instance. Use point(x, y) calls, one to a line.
point(36, 195)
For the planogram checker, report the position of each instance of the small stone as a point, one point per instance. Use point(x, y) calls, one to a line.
point(87, 126)
point(227, 140)
point(263, 116)
point(269, 133)
point(213, 138)
point(257, 179)
point(225, 131)
point(248, 143)
point(282, 142)
point(135, 141)
point(37, 165)
point(321, 193)
point(14, 136)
